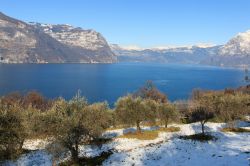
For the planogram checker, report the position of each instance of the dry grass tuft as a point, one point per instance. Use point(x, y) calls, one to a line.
point(118, 127)
point(169, 129)
point(145, 135)
point(237, 130)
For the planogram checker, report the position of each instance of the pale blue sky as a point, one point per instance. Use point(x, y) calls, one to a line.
point(145, 23)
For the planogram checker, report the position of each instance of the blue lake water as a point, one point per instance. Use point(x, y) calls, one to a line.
point(99, 82)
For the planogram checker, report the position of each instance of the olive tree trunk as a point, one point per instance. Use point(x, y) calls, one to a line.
point(203, 127)
point(166, 123)
point(138, 128)
point(74, 152)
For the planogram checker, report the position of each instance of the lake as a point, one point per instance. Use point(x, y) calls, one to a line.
point(99, 82)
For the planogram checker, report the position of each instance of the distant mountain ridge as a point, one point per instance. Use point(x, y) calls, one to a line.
point(21, 42)
point(235, 53)
point(185, 55)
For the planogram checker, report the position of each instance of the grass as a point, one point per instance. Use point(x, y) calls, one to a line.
point(117, 127)
point(148, 134)
point(150, 124)
point(237, 130)
point(198, 137)
point(169, 129)
point(89, 161)
point(144, 135)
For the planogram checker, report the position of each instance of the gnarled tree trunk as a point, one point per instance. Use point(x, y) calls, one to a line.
point(203, 127)
point(138, 128)
point(166, 123)
point(74, 153)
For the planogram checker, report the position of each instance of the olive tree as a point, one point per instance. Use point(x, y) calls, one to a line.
point(78, 123)
point(151, 108)
point(131, 111)
point(13, 130)
point(233, 107)
point(227, 107)
point(202, 115)
point(168, 113)
point(97, 118)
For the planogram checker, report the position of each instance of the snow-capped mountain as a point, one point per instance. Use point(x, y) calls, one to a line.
point(21, 42)
point(185, 54)
point(235, 53)
point(237, 46)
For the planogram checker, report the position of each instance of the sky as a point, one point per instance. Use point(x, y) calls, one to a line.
point(145, 23)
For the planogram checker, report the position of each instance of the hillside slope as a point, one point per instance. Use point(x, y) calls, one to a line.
point(27, 43)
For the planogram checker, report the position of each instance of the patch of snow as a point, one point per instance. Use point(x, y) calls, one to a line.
point(35, 144)
point(231, 149)
point(36, 158)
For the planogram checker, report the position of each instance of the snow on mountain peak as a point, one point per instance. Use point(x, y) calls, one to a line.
point(239, 45)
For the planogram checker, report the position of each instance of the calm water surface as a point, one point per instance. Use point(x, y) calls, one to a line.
point(99, 82)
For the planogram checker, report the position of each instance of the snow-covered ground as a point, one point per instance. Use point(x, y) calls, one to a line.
point(231, 149)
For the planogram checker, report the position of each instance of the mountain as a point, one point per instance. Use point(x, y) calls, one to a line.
point(235, 53)
point(237, 46)
point(87, 43)
point(21, 42)
point(185, 55)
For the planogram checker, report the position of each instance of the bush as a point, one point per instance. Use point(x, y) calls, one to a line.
point(36, 100)
point(149, 91)
point(198, 137)
point(31, 99)
point(91, 161)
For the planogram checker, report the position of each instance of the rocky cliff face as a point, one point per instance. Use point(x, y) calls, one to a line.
point(87, 43)
point(41, 43)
